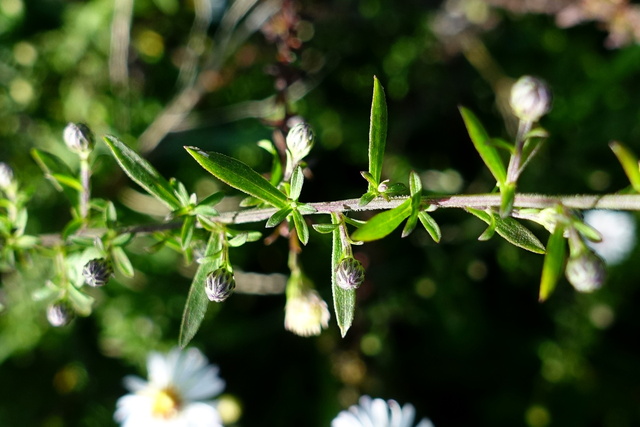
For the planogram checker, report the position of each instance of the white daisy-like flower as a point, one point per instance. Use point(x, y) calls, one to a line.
point(177, 393)
point(618, 231)
point(378, 413)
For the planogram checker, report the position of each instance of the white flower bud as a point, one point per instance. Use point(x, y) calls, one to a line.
point(306, 313)
point(586, 271)
point(60, 313)
point(349, 273)
point(219, 284)
point(78, 138)
point(97, 272)
point(300, 140)
point(530, 98)
point(6, 176)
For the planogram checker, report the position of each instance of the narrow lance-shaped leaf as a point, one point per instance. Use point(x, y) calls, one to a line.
point(384, 223)
point(344, 301)
point(301, 226)
point(240, 176)
point(629, 163)
point(430, 225)
point(377, 132)
point(553, 265)
point(197, 302)
point(511, 230)
point(484, 146)
point(55, 170)
point(142, 172)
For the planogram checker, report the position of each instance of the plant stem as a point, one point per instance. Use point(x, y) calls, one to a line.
point(628, 202)
point(85, 193)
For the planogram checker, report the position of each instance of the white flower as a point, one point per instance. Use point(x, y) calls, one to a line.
point(618, 231)
point(378, 413)
point(176, 394)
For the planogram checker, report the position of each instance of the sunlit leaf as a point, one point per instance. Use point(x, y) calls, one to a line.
point(344, 301)
point(278, 217)
point(553, 265)
point(484, 146)
point(430, 225)
point(297, 179)
point(383, 223)
point(240, 176)
point(366, 199)
point(197, 301)
point(142, 172)
point(301, 227)
point(377, 132)
point(324, 228)
point(511, 230)
point(629, 163)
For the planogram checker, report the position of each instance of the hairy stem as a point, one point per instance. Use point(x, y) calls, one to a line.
point(629, 202)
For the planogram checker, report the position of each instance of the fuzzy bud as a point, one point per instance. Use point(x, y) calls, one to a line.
point(530, 98)
point(60, 313)
point(97, 272)
point(350, 273)
point(300, 140)
point(586, 271)
point(78, 138)
point(306, 313)
point(219, 284)
point(6, 176)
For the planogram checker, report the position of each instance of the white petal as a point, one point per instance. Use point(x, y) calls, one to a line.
point(160, 370)
point(201, 415)
point(425, 423)
point(380, 413)
point(134, 384)
point(131, 408)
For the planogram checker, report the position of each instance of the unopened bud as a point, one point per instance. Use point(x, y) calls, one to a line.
point(300, 140)
point(6, 176)
point(586, 271)
point(60, 313)
point(97, 272)
point(219, 284)
point(78, 138)
point(306, 313)
point(349, 273)
point(530, 98)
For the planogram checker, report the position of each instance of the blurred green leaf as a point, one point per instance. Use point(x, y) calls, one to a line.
point(377, 133)
point(629, 163)
point(484, 146)
point(197, 301)
point(366, 198)
point(121, 261)
point(239, 176)
point(511, 230)
point(553, 265)
point(142, 172)
point(297, 179)
point(344, 301)
point(186, 233)
point(324, 228)
point(52, 166)
point(383, 223)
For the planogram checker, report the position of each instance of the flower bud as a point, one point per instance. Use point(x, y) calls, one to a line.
point(6, 176)
point(300, 140)
point(60, 313)
point(78, 138)
point(530, 98)
point(219, 284)
point(306, 313)
point(97, 272)
point(586, 271)
point(350, 273)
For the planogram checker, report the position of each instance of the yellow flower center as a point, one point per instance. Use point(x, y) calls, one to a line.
point(166, 404)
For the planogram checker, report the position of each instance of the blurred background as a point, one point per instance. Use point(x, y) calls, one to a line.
point(454, 328)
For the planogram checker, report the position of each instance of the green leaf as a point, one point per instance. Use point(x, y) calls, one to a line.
point(186, 234)
point(377, 132)
point(344, 301)
point(301, 227)
point(629, 163)
point(71, 227)
point(212, 199)
point(324, 228)
point(205, 210)
point(553, 265)
point(121, 261)
point(81, 302)
point(410, 225)
point(67, 181)
point(511, 230)
point(122, 239)
point(180, 191)
point(197, 302)
point(239, 176)
point(297, 179)
point(484, 146)
point(142, 172)
point(431, 226)
point(51, 165)
point(276, 165)
point(278, 217)
point(238, 240)
point(366, 198)
point(507, 197)
point(306, 209)
point(382, 224)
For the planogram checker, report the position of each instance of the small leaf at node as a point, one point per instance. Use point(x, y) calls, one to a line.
point(430, 225)
point(344, 301)
point(278, 217)
point(511, 230)
point(553, 266)
point(301, 227)
point(121, 261)
point(383, 224)
point(629, 163)
point(377, 133)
